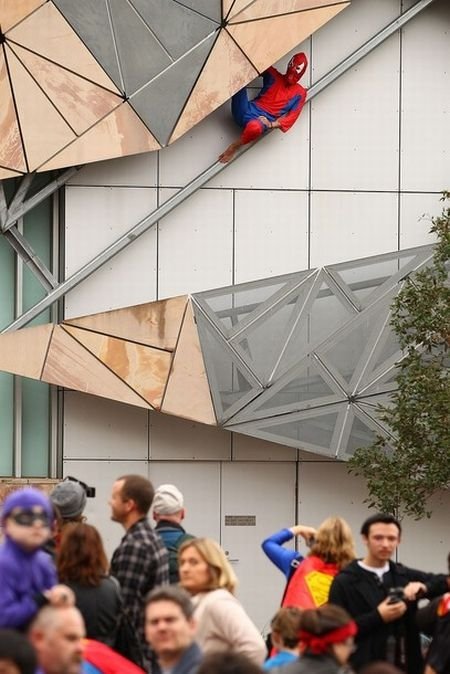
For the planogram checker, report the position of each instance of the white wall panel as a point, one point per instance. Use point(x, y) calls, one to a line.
point(346, 226)
point(196, 244)
point(354, 126)
point(426, 101)
point(246, 448)
point(96, 428)
point(415, 213)
point(95, 218)
point(199, 483)
point(135, 171)
point(102, 475)
point(271, 233)
point(173, 438)
point(325, 490)
point(356, 24)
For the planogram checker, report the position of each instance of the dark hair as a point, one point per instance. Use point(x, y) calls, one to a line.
point(16, 648)
point(174, 594)
point(379, 518)
point(228, 663)
point(326, 618)
point(286, 622)
point(81, 556)
point(138, 489)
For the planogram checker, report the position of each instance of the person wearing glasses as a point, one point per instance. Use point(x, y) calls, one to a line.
point(28, 575)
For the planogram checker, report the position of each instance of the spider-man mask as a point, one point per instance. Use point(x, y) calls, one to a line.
point(296, 68)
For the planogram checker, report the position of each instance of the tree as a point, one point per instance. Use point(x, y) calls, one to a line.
point(401, 479)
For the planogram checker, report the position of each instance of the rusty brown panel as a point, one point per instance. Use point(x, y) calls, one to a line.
point(11, 150)
point(70, 365)
point(154, 323)
point(13, 11)
point(119, 134)
point(23, 352)
point(143, 368)
point(269, 8)
point(188, 394)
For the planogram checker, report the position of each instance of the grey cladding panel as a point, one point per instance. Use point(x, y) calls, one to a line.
point(140, 54)
point(210, 8)
point(178, 28)
point(160, 103)
point(90, 20)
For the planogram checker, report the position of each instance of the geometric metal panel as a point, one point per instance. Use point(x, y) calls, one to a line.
point(69, 70)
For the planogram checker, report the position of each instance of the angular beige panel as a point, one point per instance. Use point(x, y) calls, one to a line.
point(236, 6)
point(266, 8)
point(47, 33)
point(48, 136)
point(226, 71)
point(286, 32)
point(13, 11)
point(23, 352)
point(70, 365)
point(187, 394)
point(79, 101)
point(119, 134)
point(11, 150)
point(154, 323)
point(6, 173)
point(143, 368)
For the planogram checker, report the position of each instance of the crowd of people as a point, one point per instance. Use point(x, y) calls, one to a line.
point(166, 603)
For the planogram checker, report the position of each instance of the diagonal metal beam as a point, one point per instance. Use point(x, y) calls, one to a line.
point(19, 209)
point(201, 180)
point(3, 205)
point(21, 191)
point(30, 258)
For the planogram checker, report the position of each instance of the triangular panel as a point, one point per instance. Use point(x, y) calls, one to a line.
point(23, 352)
point(269, 8)
point(187, 394)
point(11, 150)
point(150, 102)
point(143, 368)
point(232, 385)
point(7, 173)
point(48, 34)
point(70, 365)
point(52, 133)
point(154, 323)
point(162, 16)
point(90, 20)
point(287, 32)
point(119, 133)
point(226, 71)
point(13, 11)
point(138, 65)
point(81, 102)
point(209, 8)
point(357, 434)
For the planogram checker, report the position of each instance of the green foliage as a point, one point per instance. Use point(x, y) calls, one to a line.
point(401, 480)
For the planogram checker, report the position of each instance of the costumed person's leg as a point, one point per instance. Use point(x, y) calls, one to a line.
point(252, 130)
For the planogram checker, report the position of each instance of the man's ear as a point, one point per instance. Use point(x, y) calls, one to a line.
point(183, 513)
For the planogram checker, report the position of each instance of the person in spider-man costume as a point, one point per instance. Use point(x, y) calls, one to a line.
point(277, 106)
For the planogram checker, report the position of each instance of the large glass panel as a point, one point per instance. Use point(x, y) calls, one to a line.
point(317, 431)
point(360, 436)
point(6, 380)
point(35, 394)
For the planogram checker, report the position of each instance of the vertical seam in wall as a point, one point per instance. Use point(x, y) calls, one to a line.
point(400, 103)
point(309, 162)
point(158, 192)
point(220, 503)
point(233, 251)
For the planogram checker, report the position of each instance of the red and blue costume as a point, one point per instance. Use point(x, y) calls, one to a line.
point(281, 98)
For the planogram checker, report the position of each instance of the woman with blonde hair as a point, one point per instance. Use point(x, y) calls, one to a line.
point(309, 578)
point(222, 623)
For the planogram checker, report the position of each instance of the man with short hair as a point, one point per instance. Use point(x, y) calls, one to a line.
point(385, 620)
point(170, 628)
point(57, 636)
point(140, 562)
point(168, 513)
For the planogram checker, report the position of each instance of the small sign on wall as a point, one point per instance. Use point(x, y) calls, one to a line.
point(240, 520)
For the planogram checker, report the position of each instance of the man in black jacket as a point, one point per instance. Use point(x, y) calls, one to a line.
point(381, 596)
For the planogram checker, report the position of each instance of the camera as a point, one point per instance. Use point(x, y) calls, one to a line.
point(395, 594)
point(90, 491)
